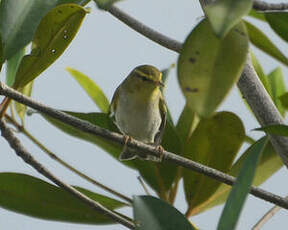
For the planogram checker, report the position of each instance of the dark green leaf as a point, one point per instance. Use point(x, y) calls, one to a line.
point(279, 23)
point(278, 88)
point(31, 196)
point(18, 22)
point(240, 190)
point(91, 88)
point(79, 2)
point(12, 66)
point(258, 15)
point(280, 130)
point(225, 14)
point(261, 41)
point(284, 100)
point(208, 67)
point(152, 213)
point(215, 143)
point(105, 4)
point(270, 163)
point(55, 32)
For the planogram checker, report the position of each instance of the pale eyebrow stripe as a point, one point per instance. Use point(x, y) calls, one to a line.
point(142, 74)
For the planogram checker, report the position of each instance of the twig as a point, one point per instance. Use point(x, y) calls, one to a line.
point(248, 84)
point(137, 145)
point(28, 158)
point(143, 185)
point(62, 162)
point(265, 6)
point(268, 215)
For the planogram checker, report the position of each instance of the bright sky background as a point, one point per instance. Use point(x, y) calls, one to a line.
point(107, 50)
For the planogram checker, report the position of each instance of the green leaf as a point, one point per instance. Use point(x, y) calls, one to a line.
point(215, 143)
point(208, 67)
point(261, 41)
point(258, 15)
point(278, 88)
point(18, 22)
point(91, 88)
point(240, 190)
point(270, 163)
point(21, 108)
point(186, 123)
point(225, 14)
point(260, 73)
point(31, 196)
point(160, 176)
point(284, 100)
point(105, 4)
point(152, 213)
point(79, 2)
point(55, 32)
point(12, 66)
point(279, 23)
point(279, 130)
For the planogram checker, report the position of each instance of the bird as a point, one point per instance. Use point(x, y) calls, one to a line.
point(139, 110)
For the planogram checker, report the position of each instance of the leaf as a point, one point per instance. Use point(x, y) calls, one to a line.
point(208, 67)
point(21, 108)
point(18, 22)
point(55, 32)
point(284, 100)
point(279, 130)
point(91, 88)
point(186, 123)
point(105, 4)
point(12, 66)
point(152, 213)
point(270, 163)
point(240, 189)
point(160, 176)
point(261, 41)
point(278, 88)
point(31, 196)
point(279, 23)
point(225, 14)
point(215, 143)
point(79, 2)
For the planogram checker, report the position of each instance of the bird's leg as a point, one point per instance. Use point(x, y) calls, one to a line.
point(126, 139)
point(160, 150)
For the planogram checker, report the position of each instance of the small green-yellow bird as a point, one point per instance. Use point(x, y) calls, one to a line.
point(139, 110)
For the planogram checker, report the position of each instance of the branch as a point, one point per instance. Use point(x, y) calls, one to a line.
point(28, 158)
point(249, 84)
point(265, 6)
point(268, 215)
point(137, 145)
point(23, 130)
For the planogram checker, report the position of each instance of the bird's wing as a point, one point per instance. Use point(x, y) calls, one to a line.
point(113, 104)
point(163, 113)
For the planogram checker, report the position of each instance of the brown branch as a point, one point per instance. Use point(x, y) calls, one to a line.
point(139, 146)
point(265, 6)
point(28, 158)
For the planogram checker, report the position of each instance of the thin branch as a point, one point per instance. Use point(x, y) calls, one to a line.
point(146, 31)
point(268, 215)
point(267, 115)
point(143, 185)
point(265, 6)
point(137, 145)
point(28, 158)
point(62, 162)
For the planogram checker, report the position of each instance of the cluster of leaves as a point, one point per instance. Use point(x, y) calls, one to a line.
point(208, 67)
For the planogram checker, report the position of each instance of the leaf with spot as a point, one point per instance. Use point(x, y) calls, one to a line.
point(55, 32)
point(34, 197)
point(215, 143)
point(91, 88)
point(279, 23)
point(225, 14)
point(152, 213)
point(261, 41)
point(208, 67)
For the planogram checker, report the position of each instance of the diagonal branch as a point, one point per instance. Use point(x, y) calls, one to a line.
point(28, 158)
point(137, 145)
point(265, 6)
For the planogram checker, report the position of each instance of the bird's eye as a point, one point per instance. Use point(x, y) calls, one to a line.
point(144, 79)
